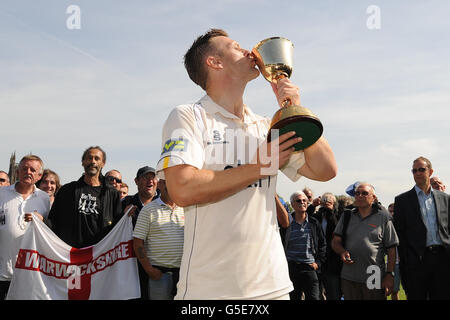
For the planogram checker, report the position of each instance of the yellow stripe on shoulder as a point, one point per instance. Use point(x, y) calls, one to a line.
point(166, 162)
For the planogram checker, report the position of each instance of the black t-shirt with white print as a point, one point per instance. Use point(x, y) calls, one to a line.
point(90, 214)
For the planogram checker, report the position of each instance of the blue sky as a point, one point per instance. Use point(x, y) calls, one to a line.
point(382, 95)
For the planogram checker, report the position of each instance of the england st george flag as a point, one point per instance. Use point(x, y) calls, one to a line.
point(48, 268)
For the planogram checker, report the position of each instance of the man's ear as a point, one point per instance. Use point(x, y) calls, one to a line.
point(214, 62)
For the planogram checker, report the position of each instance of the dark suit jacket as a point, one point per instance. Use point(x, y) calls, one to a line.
point(411, 230)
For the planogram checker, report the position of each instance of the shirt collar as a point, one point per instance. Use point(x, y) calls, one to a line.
point(420, 191)
point(13, 188)
point(304, 222)
point(211, 107)
point(161, 203)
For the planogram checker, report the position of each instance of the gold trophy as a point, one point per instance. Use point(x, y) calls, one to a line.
point(274, 60)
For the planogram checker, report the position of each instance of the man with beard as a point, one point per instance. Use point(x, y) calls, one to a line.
point(84, 211)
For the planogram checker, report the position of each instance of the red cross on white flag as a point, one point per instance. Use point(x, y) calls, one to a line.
point(48, 268)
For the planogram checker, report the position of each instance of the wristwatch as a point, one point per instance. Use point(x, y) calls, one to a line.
point(392, 273)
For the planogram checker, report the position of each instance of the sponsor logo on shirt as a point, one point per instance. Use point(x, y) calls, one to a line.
point(217, 138)
point(175, 145)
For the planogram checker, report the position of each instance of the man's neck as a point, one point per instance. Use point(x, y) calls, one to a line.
point(300, 217)
point(426, 188)
point(365, 211)
point(93, 181)
point(145, 198)
point(24, 189)
point(230, 98)
point(167, 201)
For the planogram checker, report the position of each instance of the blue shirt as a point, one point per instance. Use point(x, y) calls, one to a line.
point(299, 243)
point(429, 217)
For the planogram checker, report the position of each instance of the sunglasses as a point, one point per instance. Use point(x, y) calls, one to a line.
point(419, 169)
point(2, 180)
point(361, 193)
point(111, 179)
point(301, 200)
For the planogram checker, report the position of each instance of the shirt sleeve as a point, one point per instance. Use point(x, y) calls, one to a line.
point(296, 161)
point(142, 224)
point(390, 238)
point(182, 140)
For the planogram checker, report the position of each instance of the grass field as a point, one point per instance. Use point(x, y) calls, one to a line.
point(401, 294)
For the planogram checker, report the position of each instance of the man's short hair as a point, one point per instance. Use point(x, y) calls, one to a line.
point(296, 194)
point(91, 148)
point(366, 184)
point(194, 59)
point(428, 162)
point(32, 157)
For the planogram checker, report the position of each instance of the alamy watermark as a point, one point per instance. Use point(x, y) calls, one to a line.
point(374, 279)
point(73, 22)
point(373, 21)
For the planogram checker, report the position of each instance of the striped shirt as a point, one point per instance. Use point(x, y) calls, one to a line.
point(162, 230)
point(299, 244)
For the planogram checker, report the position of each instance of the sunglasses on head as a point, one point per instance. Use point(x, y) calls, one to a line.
point(111, 179)
point(419, 169)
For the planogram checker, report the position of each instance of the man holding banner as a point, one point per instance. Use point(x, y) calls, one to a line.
point(49, 269)
point(89, 254)
point(17, 202)
point(84, 211)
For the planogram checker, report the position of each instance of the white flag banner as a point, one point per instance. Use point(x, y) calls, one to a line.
point(47, 268)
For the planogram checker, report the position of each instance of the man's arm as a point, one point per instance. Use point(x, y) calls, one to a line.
point(138, 246)
point(388, 280)
point(282, 214)
point(320, 163)
point(336, 245)
point(188, 185)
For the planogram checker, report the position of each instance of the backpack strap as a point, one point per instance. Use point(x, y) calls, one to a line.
point(347, 216)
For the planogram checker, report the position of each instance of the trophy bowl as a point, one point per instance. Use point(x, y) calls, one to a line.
point(274, 60)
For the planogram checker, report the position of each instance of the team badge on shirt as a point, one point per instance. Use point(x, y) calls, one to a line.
point(175, 145)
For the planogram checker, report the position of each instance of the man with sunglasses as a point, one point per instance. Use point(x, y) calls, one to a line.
point(421, 218)
point(84, 211)
point(305, 248)
point(114, 178)
point(368, 236)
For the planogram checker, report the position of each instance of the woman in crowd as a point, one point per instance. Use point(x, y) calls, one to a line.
point(49, 183)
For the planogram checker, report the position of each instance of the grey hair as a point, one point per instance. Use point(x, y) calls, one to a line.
point(296, 194)
point(326, 196)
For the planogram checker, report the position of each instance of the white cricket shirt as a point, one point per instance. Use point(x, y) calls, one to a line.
point(232, 248)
